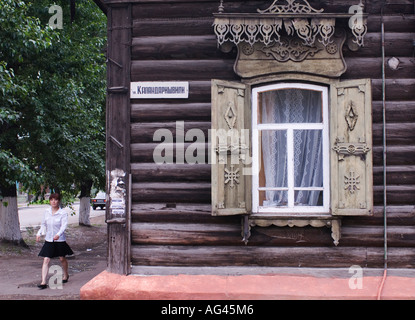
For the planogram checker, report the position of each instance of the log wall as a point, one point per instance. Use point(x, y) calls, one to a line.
point(171, 214)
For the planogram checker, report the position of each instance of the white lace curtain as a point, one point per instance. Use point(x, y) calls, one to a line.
point(292, 106)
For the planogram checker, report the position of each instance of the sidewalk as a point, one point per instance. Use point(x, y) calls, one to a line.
point(248, 287)
point(20, 268)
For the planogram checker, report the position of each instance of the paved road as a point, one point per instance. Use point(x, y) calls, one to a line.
point(31, 216)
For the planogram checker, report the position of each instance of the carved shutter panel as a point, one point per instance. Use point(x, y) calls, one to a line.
point(351, 148)
point(231, 148)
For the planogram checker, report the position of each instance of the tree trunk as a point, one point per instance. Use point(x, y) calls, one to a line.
point(9, 217)
point(84, 210)
point(85, 204)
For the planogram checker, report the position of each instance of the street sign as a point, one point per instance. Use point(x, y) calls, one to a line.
point(160, 90)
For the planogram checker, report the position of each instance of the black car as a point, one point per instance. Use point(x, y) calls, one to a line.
point(99, 200)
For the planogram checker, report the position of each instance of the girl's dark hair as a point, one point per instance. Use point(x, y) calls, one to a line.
point(56, 196)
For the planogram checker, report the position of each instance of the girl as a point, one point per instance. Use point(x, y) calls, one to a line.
point(53, 225)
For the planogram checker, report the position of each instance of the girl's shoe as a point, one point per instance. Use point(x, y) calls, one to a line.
point(42, 286)
point(65, 280)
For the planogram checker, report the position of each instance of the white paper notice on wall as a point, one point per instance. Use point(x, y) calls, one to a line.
point(160, 90)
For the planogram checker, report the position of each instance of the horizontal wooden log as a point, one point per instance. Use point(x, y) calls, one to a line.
point(396, 195)
point(396, 212)
point(144, 152)
point(396, 155)
point(396, 111)
point(396, 89)
point(270, 256)
point(177, 47)
point(186, 9)
point(245, 256)
point(173, 10)
point(171, 112)
point(394, 175)
point(397, 257)
point(162, 233)
point(143, 172)
point(396, 44)
point(396, 134)
point(392, 23)
point(153, 27)
point(372, 68)
point(182, 70)
point(171, 192)
point(154, 70)
point(392, 7)
point(185, 234)
point(191, 47)
point(395, 215)
point(398, 236)
point(202, 213)
point(179, 130)
point(178, 212)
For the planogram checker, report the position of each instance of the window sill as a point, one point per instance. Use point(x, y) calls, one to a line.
point(290, 215)
point(298, 220)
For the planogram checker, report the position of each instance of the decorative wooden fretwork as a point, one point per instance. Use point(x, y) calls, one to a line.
point(290, 7)
point(231, 176)
point(268, 30)
point(347, 149)
point(230, 115)
point(290, 49)
point(295, 18)
point(352, 182)
point(290, 35)
point(351, 115)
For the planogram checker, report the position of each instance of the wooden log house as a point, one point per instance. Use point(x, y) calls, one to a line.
point(236, 57)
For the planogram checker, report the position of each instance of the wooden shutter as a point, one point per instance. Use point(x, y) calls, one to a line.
point(231, 148)
point(351, 148)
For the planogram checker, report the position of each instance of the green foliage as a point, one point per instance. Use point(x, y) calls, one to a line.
point(52, 95)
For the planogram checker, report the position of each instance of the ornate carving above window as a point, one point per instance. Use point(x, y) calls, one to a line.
point(295, 18)
point(290, 7)
point(268, 30)
point(290, 32)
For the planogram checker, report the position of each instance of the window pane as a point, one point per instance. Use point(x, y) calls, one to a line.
point(290, 106)
point(273, 198)
point(308, 198)
point(308, 158)
point(308, 165)
point(273, 173)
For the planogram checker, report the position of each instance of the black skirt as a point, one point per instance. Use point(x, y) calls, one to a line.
point(55, 249)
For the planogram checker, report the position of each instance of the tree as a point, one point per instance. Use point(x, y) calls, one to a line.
point(52, 98)
point(22, 38)
point(79, 87)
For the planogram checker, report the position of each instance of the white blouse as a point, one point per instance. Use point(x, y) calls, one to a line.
point(54, 224)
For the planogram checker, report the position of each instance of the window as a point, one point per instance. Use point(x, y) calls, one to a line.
point(309, 148)
point(290, 149)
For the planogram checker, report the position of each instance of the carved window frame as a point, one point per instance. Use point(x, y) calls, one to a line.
point(324, 127)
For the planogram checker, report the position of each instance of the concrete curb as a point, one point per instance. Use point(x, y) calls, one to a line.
point(109, 286)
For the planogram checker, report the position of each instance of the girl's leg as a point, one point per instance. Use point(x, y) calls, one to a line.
point(45, 269)
point(65, 267)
